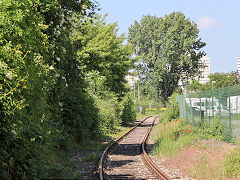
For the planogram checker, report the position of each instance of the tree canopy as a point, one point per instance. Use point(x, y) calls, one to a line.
point(217, 80)
point(170, 50)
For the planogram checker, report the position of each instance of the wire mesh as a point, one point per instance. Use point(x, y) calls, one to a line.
point(206, 105)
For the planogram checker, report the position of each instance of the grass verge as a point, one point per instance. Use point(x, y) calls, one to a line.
point(197, 151)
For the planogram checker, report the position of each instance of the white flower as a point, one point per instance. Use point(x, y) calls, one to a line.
point(53, 52)
point(57, 75)
point(9, 75)
point(63, 78)
point(66, 85)
point(61, 109)
point(58, 58)
point(1, 64)
point(51, 67)
point(60, 104)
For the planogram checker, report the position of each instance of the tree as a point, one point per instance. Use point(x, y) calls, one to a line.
point(223, 79)
point(100, 48)
point(169, 48)
point(220, 80)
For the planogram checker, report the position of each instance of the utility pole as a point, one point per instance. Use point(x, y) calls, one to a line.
point(213, 83)
point(138, 93)
point(134, 89)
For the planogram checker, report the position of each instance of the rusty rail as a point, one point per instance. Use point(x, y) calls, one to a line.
point(149, 162)
point(100, 167)
point(158, 172)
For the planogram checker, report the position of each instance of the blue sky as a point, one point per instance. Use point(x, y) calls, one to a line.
point(218, 21)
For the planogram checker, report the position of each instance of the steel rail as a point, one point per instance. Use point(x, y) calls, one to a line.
point(103, 156)
point(155, 169)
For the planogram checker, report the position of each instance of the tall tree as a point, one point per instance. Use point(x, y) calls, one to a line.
point(100, 48)
point(169, 48)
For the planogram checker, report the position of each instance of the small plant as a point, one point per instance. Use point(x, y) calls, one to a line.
point(91, 157)
point(232, 163)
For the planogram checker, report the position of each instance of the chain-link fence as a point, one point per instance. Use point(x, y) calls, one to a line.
point(206, 105)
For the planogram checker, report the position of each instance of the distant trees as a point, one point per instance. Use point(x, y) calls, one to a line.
point(169, 48)
point(220, 80)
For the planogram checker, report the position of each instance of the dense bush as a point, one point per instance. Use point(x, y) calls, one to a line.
point(128, 114)
point(232, 164)
point(44, 96)
point(172, 109)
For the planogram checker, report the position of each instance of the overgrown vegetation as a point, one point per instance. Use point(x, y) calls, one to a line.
point(174, 135)
point(62, 82)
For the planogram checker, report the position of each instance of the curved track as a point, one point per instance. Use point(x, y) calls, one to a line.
point(126, 158)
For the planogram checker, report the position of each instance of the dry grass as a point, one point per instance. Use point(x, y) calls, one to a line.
point(201, 163)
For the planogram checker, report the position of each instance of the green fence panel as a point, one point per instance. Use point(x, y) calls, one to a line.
point(206, 105)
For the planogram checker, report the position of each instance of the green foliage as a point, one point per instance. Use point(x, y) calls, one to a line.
point(169, 49)
point(100, 49)
point(47, 95)
point(221, 80)
point(91, 157)
point(128, 112)
point(173, 136)
point(232, 164)
point(212, 130)
point(172, 109)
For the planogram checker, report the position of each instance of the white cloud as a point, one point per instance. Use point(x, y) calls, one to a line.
point(207, 23)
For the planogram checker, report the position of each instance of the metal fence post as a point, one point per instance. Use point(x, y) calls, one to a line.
point(200, 108)
point(212, 105)
point(206, 105)
point(191, 109)
point(230, 121)
point(219, 104)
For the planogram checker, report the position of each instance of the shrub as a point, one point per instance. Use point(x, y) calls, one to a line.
point(232, 164)
point(172, 111)
point(212, 130)
point(128, 112)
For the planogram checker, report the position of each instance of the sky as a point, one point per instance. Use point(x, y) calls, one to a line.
point(218, 22)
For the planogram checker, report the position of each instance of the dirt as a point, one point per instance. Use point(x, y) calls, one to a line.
point(197, 162)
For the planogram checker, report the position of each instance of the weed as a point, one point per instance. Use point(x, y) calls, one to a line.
point(232, 163)
point(91, 157)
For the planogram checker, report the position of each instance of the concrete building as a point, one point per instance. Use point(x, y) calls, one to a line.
point(204, 70)
point(131, 79)
point(238, 65)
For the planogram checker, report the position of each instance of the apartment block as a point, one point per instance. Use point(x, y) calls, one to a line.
point(204, 70)
point(238, 65)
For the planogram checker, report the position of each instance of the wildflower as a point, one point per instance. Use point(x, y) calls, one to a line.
point(182, 130)
point(9, 75)
point(180, 134)
point(51, 67)
point(58, 58)
point(173, 136)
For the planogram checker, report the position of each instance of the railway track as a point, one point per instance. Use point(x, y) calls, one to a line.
point(126, 157)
